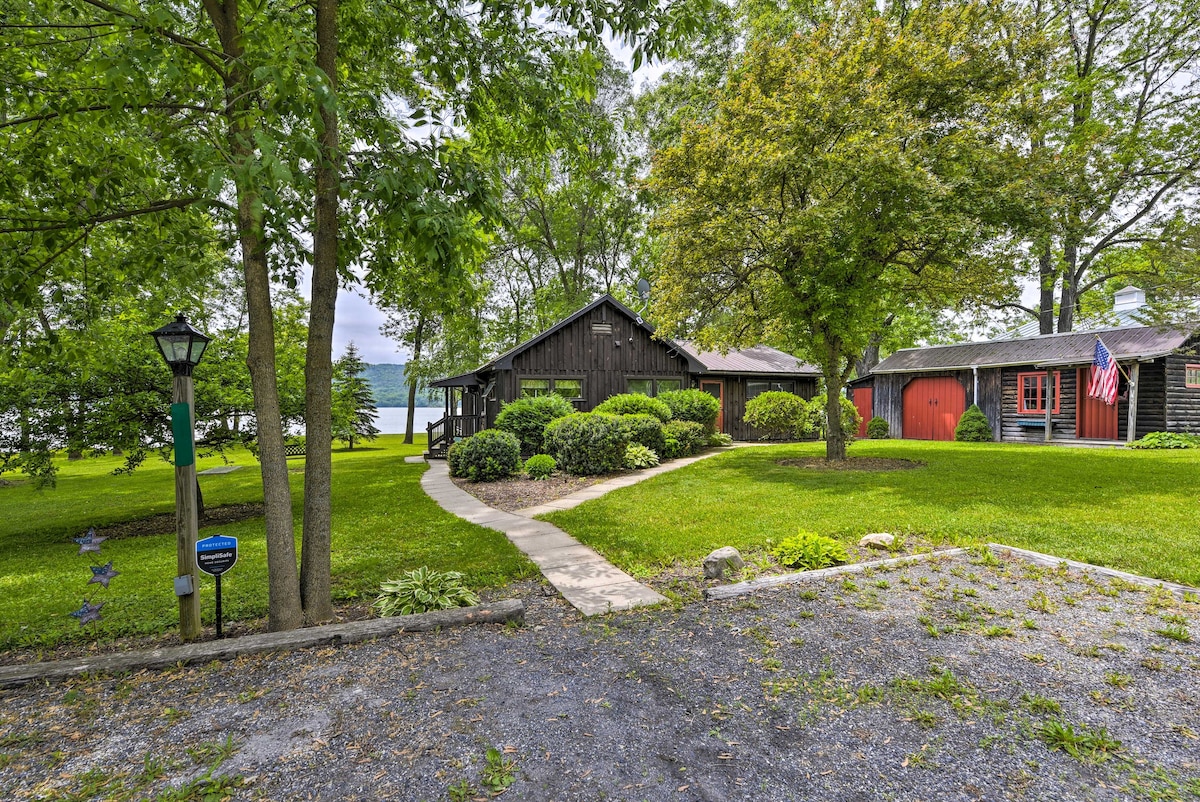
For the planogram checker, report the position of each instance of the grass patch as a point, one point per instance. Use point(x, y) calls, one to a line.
point(1055, 500)
point(383, 524)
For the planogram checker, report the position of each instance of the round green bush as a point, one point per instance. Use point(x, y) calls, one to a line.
point(877, 428)
point(527, 418)
point(489, 455)
point(815, 417)
point(694, 405)
point(646, 430)
point(684, 438)
point(638, 457)
point(780, 415)
point(454, 458)
point(973, 427)
point(540, 466)
point(587, 443)
point(635, 404)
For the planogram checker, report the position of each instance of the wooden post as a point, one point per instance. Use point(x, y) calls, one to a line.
point(186, 517)
point(1131, 434)
point(1049, 403)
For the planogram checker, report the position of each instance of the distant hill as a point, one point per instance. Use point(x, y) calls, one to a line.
point(390, 390)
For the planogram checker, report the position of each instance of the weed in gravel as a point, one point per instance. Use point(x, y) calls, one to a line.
point(1175, 618)
point(1082, 743)
point(919, 760)
point(1175, 632)
point(212, 751)
point(997, 631)
point(1085, 651)
point(1029, 623)
point(499, 772)
point(1041, 603)
point(926, 718)
point(808, 595)
point(461, 791)
point(1040, 705)
point(1152, 664)
point(930, 627)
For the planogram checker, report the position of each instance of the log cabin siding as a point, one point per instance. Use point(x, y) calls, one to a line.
point(1151, 402)
point(1063, 422)
point(1182, 413)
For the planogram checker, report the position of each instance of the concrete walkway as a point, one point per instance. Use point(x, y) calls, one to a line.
point(584, 578)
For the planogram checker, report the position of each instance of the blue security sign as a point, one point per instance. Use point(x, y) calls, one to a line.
point(216, 554)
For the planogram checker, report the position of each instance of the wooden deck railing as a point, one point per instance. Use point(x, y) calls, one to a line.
point(450, 429)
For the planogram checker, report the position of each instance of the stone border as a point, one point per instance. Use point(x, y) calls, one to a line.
point(742, 588)
point(1053, 562)
point(502, 612)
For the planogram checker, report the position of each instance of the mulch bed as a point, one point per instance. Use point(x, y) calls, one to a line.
point(520, 492)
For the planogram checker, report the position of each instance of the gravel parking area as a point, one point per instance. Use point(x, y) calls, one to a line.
point(968, 678)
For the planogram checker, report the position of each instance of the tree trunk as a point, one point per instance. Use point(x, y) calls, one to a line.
point(1070, 283)
point(835, 438)
point(315, 581)
point(1046, 282)
point(283, 583)
point(418, 338)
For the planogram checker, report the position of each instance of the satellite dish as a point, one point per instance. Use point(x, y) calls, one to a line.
point(643, 288)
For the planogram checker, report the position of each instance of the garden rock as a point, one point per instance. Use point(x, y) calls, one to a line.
point(725, 557)
point(877, 540)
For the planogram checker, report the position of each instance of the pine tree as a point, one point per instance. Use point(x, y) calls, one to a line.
point(354, 411)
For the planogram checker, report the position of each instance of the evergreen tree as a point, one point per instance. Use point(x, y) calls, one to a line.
point(354, 410)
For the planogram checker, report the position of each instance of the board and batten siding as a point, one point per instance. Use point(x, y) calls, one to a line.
point(888, 397)
point(605, 361)
point(1182, 413)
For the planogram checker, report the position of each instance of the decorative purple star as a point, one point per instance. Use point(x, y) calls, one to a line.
point(90, 542)
point(88, 612)
point(103, 574)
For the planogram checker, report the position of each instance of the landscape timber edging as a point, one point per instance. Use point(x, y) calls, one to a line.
point(741, 588)
point(501, 612)
point(1053, 562)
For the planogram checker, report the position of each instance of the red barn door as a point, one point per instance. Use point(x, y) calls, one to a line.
point(862, 402)
point(932, 406)
point(1094, 419)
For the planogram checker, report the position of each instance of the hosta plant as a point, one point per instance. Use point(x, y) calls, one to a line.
point(637, 457)
point(423, 590)
point(809, 551)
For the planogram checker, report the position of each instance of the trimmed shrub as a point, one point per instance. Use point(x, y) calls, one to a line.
point(489, 455)
point(877, 429)
point(635, 404)
point(694, 405)
point(688, 438)
point(454, 458)
point(527, 418)
point(637, 457)
point(423, 590)
point(779, 414)
point(720, 439)
point(815, 419)
point(809, 551)
point(973, 427)
point(644, 429)
point(587, 443)
point(540, 466)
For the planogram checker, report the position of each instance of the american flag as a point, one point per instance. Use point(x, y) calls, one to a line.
point(1103, 384)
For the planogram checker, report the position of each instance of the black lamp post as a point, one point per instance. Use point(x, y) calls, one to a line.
point(182, 347)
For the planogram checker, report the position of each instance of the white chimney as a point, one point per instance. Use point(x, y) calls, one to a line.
point(1129, 299)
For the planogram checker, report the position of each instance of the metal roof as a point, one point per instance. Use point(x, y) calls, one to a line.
point(757, 359)
point(1072, 348)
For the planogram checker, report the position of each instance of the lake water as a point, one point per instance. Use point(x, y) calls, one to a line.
point(391, 420)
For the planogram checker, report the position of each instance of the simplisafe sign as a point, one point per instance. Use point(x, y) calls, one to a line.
point(217, 554)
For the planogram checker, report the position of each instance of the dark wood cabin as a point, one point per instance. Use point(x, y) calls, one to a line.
point(606, 349)
point(922, 392)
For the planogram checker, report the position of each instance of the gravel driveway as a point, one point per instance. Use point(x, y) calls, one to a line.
point(958, 679)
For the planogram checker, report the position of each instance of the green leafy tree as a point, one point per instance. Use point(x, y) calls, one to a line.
point(354, 411)
point(847, 172)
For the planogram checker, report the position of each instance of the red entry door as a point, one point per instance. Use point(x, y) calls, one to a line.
point(717, 390)
point(862, 402)
point(1094, 419)
point(932, 406)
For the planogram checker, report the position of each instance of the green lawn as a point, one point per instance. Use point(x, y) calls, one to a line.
point(383, 523)
point(1134, 510)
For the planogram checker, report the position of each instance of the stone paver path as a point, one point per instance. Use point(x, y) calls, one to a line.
point(584, 578)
